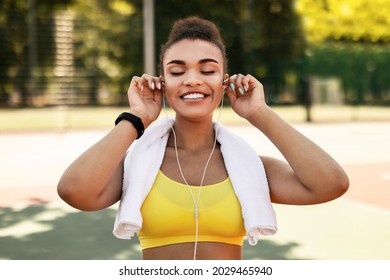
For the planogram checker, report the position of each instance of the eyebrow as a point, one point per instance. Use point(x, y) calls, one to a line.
point(202, 61)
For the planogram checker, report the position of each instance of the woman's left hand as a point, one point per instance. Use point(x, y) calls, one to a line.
point(246, 94)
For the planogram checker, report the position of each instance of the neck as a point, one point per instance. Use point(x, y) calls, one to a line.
point(192, 135)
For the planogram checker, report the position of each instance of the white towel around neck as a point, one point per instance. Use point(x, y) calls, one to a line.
point(244, 167)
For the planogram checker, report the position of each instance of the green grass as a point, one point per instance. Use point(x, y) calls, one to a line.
point(76, 118)
point(56, 118)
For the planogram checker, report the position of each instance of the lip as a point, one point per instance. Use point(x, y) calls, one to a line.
point(194, 95)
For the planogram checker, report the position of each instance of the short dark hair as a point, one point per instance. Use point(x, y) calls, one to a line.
point(193, 28)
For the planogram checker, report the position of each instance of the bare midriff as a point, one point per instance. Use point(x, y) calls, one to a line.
point(185, 251)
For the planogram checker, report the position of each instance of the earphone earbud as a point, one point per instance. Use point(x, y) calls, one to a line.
point(224, 84)
point(226, 78)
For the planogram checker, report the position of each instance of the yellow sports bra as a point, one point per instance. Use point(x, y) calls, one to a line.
point(168, 214)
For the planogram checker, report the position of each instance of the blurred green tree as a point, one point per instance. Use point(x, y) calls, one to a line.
point(346, 20)
point(20, 48)
point(349, 39)
point(108, 45)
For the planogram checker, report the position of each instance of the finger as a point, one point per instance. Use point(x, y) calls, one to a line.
point(145, 81)
point(136, 84)
point(246, 82)
point(254, 85)
point(160, 82)
point(231, 83)
point(231, 93)
point(239, 84)
point(156, 83)
point(152, 82)
point(236, 84)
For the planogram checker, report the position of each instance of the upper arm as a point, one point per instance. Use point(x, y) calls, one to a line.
point(88, 196)
point(285, 187)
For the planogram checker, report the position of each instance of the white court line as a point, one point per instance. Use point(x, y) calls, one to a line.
point(386, 176)
point(366, 206)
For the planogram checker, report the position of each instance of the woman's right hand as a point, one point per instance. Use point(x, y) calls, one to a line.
point(145, 95)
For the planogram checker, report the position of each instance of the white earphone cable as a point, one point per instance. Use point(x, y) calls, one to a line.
point(196, 201)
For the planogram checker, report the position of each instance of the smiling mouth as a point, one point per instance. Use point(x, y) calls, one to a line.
point(193, 96)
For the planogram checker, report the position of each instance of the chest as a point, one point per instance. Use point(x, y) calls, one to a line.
point(168, 210)
point(193, 166)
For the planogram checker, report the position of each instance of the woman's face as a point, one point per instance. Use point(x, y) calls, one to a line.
point(193, 73)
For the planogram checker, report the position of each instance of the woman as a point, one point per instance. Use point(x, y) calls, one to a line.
point(195, 181)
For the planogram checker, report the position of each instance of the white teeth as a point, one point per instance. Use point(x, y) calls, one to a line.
point(193, 96)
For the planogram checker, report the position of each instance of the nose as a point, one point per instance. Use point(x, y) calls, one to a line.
point(192, 79)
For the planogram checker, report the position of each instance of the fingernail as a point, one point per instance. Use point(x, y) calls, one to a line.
point(232, 86)
point(241, 91)
point(152, 86)
point(245, 88)
point(159, 85)
point(142, 87)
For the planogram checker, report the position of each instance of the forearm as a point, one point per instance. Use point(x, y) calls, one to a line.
point(93, 180)
point(314, 168)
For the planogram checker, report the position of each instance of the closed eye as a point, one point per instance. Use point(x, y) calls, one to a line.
point(176, 73)
point(208, 72)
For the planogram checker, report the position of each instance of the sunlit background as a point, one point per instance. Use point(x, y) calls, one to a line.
point(84, 52)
